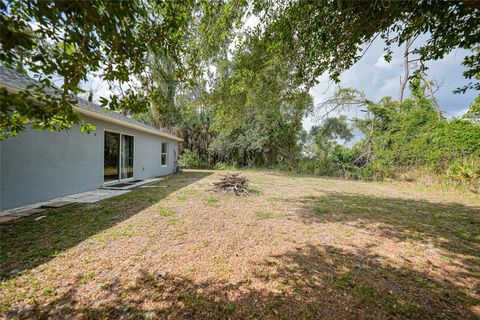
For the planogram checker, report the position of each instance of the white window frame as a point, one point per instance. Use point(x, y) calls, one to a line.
point(164, 153)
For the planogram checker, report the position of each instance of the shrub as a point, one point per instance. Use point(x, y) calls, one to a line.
point(450, 143)
point(316, 166)
point(465, 172)
point(225, 166)
point(190, 159)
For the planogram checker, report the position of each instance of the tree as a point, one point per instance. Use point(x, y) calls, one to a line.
point(67, 40)
point(267, 138)
point(473, 114)
point(257, 109)
point(295, 43)
point(162, 80)
point(409, 134)
point(330, 36)
point(330, 132)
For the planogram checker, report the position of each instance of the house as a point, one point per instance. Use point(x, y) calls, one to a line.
point(41, 165)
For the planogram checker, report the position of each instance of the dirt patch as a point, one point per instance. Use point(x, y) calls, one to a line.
point(297, 247)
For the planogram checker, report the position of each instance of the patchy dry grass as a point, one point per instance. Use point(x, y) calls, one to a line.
point(264, 214)
point(295, 248)
point(165, 212)
point(211, 201)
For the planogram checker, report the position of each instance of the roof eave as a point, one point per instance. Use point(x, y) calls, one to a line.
point(99, 116)
point(106, 118)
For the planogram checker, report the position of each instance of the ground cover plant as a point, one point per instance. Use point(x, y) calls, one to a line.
point(300, 247)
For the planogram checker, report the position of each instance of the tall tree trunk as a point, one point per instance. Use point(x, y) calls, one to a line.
point(432, 96)
point(406, 68)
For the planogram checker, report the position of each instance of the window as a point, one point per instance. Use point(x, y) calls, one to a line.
point(164, 152)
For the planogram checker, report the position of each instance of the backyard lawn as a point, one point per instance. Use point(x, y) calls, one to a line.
point(295, 248)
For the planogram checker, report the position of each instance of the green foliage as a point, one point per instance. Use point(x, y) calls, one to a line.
point(248, 111)
point(399, 137)
point(473, 113)
point(466, 172)
point(257, 110)
point(195, 126)
point(265, 139)
point(162, 79)
point(415, 138)
point(224, 166)
point(166, 45)
point(450, 141)
point(410, 134)
point(251, 84)
point(164, 212)
point(326, 136)
point(326, 155)
point(69, 40)
point(190, 159)
point(323, 36)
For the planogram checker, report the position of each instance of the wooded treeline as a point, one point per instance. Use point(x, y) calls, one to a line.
point(401, 140)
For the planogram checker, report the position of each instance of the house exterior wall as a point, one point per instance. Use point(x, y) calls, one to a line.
point(41, 165)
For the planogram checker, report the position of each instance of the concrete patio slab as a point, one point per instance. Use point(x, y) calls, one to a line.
point(94, 196)
point(84, 197)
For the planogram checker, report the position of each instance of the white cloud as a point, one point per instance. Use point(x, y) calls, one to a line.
point(384, 64)
point(457, 113)
point(390, 87)
point(377, 79)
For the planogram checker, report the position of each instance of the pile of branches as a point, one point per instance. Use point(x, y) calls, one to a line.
point(232, 182)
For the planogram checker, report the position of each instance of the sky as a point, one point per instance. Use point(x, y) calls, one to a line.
point(378, 78)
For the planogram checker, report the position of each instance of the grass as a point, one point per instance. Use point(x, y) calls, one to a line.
point(264, 214)
point(164, 212)
point(320, 210)
point(254, 191)
point(324, 249)
point(211, 201)
point(174, 221)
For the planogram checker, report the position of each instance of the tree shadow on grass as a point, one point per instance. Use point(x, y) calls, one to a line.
point(26, 243)
point(310, 282)
point(452, 227)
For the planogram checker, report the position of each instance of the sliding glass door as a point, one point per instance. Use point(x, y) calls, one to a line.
point(118, 156)
point(111, 157)
point(127, 157)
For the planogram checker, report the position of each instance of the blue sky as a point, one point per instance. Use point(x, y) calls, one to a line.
point(378, 78)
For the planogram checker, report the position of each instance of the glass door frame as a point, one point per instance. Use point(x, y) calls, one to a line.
point(121, 134)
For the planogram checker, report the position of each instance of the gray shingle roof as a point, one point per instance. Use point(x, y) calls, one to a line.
point(13, 79)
